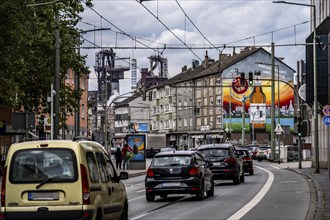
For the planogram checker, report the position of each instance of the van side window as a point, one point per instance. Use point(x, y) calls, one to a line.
point(93, 173)
point(102, 167)
point(110, 168)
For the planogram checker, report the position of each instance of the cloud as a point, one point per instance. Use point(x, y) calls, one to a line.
point(234, 23)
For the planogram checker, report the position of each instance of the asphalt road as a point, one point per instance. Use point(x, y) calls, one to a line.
point(271, 193)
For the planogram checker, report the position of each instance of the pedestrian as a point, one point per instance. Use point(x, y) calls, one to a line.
point(126, 154)
point(119, 158)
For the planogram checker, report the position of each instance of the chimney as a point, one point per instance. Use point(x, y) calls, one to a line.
point(184, 68)
point(234, 52)
point(206, 59)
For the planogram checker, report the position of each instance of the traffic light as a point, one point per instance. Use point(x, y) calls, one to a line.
point(299, 129)
point(250, 78)
point(242, 79)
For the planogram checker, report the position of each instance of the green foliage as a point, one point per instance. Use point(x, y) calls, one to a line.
point(27, 52)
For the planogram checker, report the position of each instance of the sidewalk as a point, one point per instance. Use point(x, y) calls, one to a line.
point(321, 184)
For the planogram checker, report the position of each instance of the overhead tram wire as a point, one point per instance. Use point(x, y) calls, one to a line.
point(195, 25)
point(140, 2)
point(132, 36)
point(123, 32)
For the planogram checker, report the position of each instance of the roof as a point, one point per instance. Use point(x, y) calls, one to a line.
point(207, 146)
point(175, 152)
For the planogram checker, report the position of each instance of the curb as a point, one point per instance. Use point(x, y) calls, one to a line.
point(137, 174)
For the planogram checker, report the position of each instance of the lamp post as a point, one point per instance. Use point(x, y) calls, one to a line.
point(315, 106)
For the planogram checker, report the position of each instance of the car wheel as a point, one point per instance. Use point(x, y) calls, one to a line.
point(237, 179)
point(124, 213)
point(211, 191)
point(259, 159)
point(242, 178)
point(200, 194)
point(150, 197)
point(251, 173)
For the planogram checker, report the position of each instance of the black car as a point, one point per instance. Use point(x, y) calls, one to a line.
point(247, 160)
point(178, 172)
point(226, 163)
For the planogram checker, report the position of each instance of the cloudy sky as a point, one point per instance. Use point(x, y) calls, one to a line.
point(194, 24)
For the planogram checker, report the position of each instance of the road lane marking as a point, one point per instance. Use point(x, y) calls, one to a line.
point(135, 198)
point(245, 209)
point(276, 167)
point(139, 191)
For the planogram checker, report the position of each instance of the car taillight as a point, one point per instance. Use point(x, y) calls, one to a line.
point(246, 158)
point(3, 187)
point(229, 160)
point(85, 185)
point(193, 171)
point(150, 173)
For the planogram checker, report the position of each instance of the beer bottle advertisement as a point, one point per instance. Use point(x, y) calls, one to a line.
point(257, 107)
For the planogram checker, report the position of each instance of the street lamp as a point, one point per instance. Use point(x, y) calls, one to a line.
point(316, 138)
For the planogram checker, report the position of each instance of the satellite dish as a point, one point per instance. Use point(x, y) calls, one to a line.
point(302, 92)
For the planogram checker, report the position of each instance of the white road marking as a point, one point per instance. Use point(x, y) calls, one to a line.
point(276, 167)
point(139, 191)
point(135, 198)
point(240, 213)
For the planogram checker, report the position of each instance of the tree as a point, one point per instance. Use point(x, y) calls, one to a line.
point(27, 52)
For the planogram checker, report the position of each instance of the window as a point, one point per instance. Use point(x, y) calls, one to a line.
point(205, 101)
point(191, 122)
point(218, 119)
point(205, 121)
point(211, 101)
point(93, 172)
point(179, 105)
point(102, 167)
point(155, 110)
point(83, 83)
point(167, 92)
point(185, 122)
point(83, 111)
point(185, 87)
point(180, 122)
point(185, 104)
point(218, 100)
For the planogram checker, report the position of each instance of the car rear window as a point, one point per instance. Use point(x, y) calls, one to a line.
point(171, 161)
point(214, 152)
point(36, 165)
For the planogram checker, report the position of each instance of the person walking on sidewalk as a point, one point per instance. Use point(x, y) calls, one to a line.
point(119, 158)
point(126, 154)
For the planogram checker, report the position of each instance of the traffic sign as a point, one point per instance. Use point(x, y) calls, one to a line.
point(278, 129)
point(326, 110)
point(326, 120)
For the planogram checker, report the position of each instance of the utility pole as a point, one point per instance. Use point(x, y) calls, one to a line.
point(272, 134)
point(57, 78)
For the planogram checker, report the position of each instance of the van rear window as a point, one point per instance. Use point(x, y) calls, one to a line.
point(37, 165)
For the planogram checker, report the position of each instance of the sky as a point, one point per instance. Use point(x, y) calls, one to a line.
point(183, 30)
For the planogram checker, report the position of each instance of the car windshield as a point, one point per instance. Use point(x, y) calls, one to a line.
point(35, 166)
point(165, 161)
point(214, 152)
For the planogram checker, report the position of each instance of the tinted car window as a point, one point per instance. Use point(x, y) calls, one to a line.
point(214, 152)
point(102, 166)
point(38, 165)
point(171, 161)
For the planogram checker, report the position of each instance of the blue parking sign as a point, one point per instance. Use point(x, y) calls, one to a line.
point(326, 120)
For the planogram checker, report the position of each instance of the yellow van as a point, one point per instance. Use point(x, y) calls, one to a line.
point(61, 179)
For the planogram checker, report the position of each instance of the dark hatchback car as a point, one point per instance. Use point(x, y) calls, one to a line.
point(247, 160)
point(226, 163)
point(178, 172)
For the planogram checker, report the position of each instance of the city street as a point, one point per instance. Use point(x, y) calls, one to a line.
point(272, 193)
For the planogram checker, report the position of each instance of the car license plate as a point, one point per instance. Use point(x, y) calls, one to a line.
point(171, 184)
point(217, 163)
point(261, 152)
point(43, 196)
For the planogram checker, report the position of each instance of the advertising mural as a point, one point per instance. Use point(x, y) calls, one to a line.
point(257, 97)
point(138, 144)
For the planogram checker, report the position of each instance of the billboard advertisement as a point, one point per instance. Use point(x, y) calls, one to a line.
point(138, 144)
point(258, 96)
point(139, 127)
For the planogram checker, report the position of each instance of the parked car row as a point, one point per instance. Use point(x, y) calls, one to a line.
point(194, 172)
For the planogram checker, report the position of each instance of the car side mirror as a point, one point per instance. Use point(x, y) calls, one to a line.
point(123, 175)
